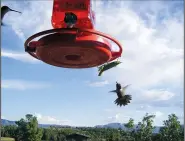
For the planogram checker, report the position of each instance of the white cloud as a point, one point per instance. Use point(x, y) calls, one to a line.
point(157, 95)
point(158, 114)
point(124, 117)
point(159, 117)
point(118, 118)
point(98, 84)
point(3, 117)
point(42, 119)
point(180, 104)
point(114, 118)
point(20, 56)
point(181, 118)
point(152, 54)
point(143, 108)
point(23, 85)
point(108, 110)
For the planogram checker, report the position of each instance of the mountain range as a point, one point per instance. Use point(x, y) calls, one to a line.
point(5, 122)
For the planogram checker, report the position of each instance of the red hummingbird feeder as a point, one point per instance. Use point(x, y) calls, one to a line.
point(73, 43)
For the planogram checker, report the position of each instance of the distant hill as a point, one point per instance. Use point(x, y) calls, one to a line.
point(121, 126)
point(110, 125)
point(5, 122)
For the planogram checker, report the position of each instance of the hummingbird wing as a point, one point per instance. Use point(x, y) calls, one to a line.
point(122, 91)
point(108, 66)
point(117, 92)
point(125, 87)
point(100, 73)
point(114, 91)
point(100, 69)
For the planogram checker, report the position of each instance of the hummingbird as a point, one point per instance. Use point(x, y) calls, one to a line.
point(70, 19)
point(4, 10)
point(107, 66)
point(122, 99)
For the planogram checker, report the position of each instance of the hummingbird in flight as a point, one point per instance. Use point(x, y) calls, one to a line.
point(4, 11)
point(123, 99)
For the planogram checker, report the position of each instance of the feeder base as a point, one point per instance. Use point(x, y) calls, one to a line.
point(72, 48)
point(64, 50)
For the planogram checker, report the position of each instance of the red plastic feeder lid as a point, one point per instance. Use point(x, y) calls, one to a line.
point(72, 48)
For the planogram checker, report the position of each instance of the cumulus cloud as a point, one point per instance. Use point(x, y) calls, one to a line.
point(118, 118)
point(157, 95)
point(179, 104)
point(162, 104)
point(153, 53)
point(114, 118)
point(98, 83)
point(43, 119)
point(20, 56)
point(142, 108)
point(159, 117)
point(158, 114)
point(23, 85)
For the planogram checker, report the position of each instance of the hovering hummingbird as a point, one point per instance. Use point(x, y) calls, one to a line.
point(4, 10)
point(70, 19)
point(122, 99)
point(108, 66)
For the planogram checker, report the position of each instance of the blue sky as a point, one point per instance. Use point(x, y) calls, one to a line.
point(152, 37)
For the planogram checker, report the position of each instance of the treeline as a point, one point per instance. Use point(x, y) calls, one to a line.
point(27, 130)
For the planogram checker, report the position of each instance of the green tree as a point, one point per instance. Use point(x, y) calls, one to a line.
point(156, 137)
point(145, 128)
point(130, 127)
point(172, 130)
point(182, 132)
point(46, 134)
point(28, 130)
point(21, 130)
point(8, 131)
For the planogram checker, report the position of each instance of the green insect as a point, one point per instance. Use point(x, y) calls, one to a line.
point(108, 66)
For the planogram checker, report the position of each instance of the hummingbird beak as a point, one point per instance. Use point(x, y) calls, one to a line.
point(15, 11)
point(114, 91)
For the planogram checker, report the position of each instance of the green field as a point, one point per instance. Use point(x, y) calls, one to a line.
point(7, 139)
